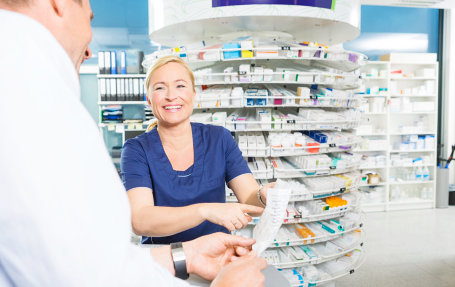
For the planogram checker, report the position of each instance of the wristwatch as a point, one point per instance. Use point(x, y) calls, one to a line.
point(178, 256)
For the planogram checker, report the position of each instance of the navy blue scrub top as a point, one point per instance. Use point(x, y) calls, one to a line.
point(217, 159)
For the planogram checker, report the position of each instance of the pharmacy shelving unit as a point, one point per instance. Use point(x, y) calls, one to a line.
point(281, 65)
point(400, 112)
point(374, 130)
point(280, 161)
point(120, 109)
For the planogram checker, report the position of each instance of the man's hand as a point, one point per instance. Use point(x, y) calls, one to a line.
point(243, 272)
point(206, 255)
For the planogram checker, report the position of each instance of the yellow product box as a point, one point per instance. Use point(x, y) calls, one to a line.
point(247, 48)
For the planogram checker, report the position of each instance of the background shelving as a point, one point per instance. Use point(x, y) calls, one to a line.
point(407, 107)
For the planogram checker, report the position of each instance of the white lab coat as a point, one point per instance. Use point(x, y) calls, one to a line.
point(64, 214)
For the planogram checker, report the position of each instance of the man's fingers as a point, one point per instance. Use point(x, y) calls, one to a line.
point(261, 263)
point(236, 240)
point(234, 258)
point(241, 251)
point(251, 208)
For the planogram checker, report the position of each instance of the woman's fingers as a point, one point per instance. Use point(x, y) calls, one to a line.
point(237, 224)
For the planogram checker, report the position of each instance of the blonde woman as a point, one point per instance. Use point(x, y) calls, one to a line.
point(175, 173)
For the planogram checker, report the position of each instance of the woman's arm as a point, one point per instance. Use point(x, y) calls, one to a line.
point(245, 188)
point(150, 220)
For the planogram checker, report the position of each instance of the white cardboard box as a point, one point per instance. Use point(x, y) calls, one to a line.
point(410, 57)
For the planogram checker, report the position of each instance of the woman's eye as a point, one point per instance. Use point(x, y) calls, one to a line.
point(180, 86)
point(158, 88)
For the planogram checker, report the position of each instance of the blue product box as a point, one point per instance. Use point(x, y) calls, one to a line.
point(320, 137)
point(261, 102)
point(250, 102)
point(231, 54)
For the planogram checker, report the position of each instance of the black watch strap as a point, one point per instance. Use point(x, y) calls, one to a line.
point(178, 256)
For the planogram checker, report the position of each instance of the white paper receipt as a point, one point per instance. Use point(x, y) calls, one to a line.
point(272, 217)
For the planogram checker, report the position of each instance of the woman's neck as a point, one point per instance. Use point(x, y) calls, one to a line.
point(176, 137)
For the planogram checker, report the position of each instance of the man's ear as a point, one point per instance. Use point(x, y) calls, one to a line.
point(58, 6)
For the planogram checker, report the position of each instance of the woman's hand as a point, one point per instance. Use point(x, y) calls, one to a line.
point(264, 191)
point(230, 215)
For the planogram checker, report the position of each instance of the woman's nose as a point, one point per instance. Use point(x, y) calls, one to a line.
point(171, 94)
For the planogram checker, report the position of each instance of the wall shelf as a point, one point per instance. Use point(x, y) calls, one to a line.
point(399, 94)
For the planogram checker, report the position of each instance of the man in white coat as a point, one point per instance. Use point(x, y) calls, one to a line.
point(64, 214)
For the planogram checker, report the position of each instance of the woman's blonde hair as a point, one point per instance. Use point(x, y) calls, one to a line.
point(158, 64)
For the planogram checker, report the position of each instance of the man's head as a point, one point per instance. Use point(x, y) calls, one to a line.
point(67, 20)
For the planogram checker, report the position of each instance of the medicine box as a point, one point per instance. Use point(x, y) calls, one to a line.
point(276, 122)
point(210, 54)
point(258, 74)
point(231, 54)
point(267, 52)
point(243, 145)
point(268, 75)
point(219, 118)
point(251, 146)
point(260, 143)
point(227, 72)
point(244, 73)
point(409, 57)
point(302, 92)
point(304, 78)
point(423, 106)
point(247, 48)
point(426, 73)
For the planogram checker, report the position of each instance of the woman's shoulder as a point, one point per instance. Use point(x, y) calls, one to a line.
point(140, 140)
point(212, 130)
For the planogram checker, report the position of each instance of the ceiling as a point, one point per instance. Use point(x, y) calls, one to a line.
point(440, 4)
point(123, 24)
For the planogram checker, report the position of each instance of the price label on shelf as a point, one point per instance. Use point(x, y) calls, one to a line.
point(119, 128)
point(343, 189)
point(110, 127)
point(290, 121)
point(333, 167)
point(286, 48)
point(332, 145)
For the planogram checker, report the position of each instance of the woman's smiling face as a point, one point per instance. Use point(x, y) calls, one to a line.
point(171, 94)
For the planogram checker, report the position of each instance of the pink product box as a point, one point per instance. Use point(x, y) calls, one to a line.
point(277, 101)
